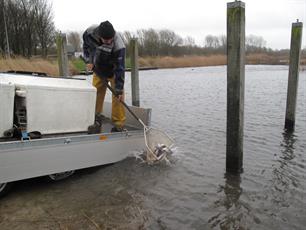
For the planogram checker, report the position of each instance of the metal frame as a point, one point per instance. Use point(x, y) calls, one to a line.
point(33, 158)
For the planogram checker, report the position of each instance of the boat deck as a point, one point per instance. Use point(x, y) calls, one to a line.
point(106, 129)
point(71, 151)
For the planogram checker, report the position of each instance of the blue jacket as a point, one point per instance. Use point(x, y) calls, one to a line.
point(108, 60)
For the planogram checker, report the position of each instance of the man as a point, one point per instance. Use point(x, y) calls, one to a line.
point(104, 53)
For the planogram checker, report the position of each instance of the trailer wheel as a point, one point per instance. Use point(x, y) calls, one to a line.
point(4, 188)
point(60, 176)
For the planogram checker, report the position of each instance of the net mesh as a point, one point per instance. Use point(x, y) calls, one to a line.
point(156, 138)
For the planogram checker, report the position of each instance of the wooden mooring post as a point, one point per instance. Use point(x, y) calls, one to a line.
point(134, 73)
point(293, 78)
point(62, 55)
point(235, 85)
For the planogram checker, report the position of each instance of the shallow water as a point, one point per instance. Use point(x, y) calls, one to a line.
point(194, 192)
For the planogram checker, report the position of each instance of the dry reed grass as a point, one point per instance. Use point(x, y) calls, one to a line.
point(263, 58)
point(213, 60)
point(32, 65)
point(186, 61)
point(49, 67)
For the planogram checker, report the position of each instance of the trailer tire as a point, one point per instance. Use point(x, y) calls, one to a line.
point(5, 188)
point(60, 176)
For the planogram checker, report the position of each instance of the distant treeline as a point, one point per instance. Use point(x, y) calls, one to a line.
point(28, 25)
point(154, 43)
point(168, 43)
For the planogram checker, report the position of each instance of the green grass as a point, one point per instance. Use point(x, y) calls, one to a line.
point(79, 64)
point(127, 62)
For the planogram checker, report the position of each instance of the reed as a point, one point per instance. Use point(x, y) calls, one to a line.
point(185, 61)
point(49, 67)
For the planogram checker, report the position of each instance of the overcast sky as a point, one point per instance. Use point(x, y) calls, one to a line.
point(270, 19)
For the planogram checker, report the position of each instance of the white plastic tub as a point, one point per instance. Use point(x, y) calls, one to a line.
point(7, 92)
point(55, 105)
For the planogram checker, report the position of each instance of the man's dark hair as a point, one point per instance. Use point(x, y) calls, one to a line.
point(105, 30)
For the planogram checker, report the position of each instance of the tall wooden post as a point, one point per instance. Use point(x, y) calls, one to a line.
point(134, 73)
point(6, 33)
point(235, 85)
point(293, 78)
point(62, 55)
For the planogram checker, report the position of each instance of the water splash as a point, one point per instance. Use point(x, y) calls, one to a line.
point(164, 156)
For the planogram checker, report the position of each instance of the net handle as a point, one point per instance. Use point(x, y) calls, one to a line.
point(124, 104)
point(114, 93)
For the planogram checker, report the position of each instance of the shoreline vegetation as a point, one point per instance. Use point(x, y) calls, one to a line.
point(34, 33)
point(76, 65)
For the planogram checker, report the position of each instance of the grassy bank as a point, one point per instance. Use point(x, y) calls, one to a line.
point(186, 61)
point(47, 66)
point(213, 60)
point(77, 65)
point(32, 65)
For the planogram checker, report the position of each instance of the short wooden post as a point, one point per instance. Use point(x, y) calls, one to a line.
point(134, 73)
point(293, 78)
point(62, 55)
point(235, 85)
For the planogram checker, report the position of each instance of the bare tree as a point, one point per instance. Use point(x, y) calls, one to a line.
point(188, 46)
point(29, 35)
point(29, 26)
point(30, 30)
point(254, 43)
point(44, 25)
point(148, 42)
point(223, 40)
point(189, 41)
point(151, 39)
point(15, 26)
point(212, 41)
point(223, 43)
point(168, 41)
point(140, 34)
point(74, 39)
point(127, 36)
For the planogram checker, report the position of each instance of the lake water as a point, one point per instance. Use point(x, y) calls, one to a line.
point(194, 192)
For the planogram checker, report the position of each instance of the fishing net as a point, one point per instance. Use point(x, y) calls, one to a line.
point(158, 143)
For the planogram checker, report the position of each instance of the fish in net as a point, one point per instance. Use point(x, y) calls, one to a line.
point(158, 143)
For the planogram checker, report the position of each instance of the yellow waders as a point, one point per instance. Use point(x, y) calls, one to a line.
point(118, 112)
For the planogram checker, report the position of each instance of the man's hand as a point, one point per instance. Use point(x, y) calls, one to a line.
point(120, 97)
point(89, 67)
point(119, 94)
